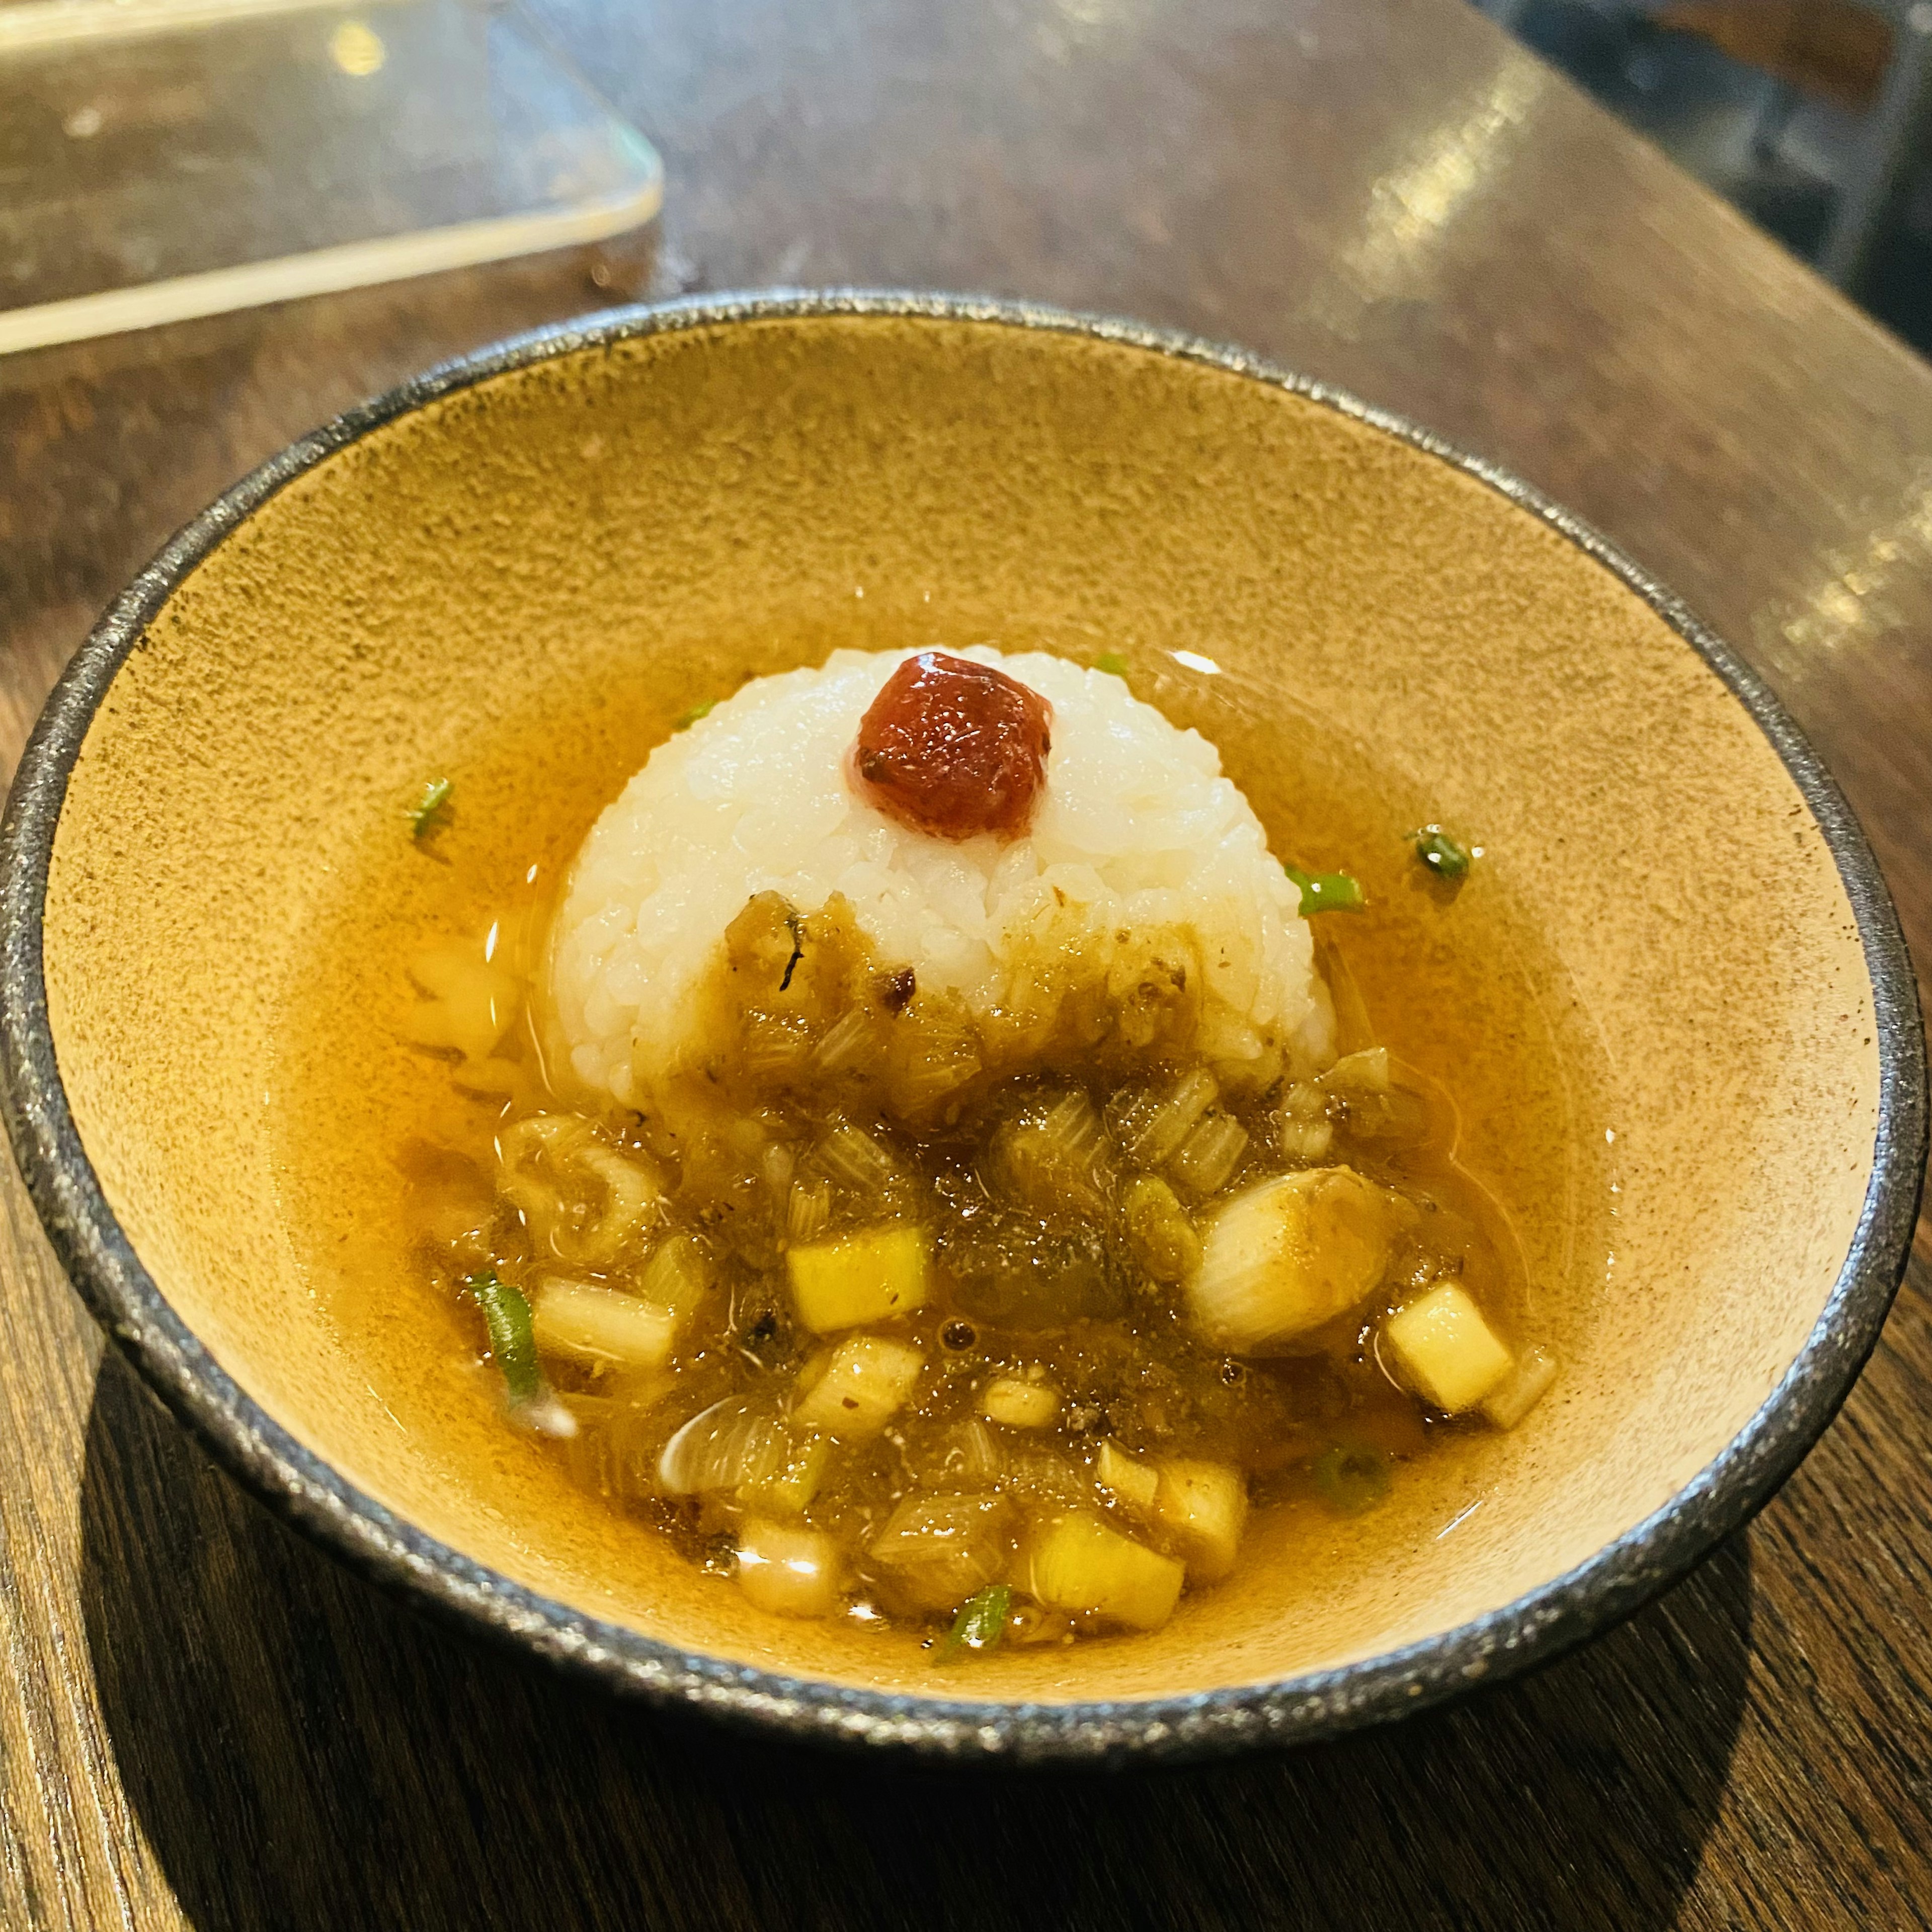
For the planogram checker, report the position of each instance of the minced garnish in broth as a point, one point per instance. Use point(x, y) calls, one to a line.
point(874, 1312)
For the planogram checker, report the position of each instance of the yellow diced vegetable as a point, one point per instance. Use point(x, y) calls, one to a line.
point(1445, 1351)
point(1133, 1483)
point(1020, 1404)
point(601, 1326)
point(1289, 1254)
point(1205, 1505)
point(867, 1380)
point(1526, 1384)
point(789, 1569)
point(1076, 1563)
point(790, 1487)
point(869, 1276)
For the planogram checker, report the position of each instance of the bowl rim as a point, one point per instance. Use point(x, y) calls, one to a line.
point(305, 1492)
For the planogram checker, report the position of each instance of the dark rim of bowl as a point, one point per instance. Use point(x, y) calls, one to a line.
point(307, 1492)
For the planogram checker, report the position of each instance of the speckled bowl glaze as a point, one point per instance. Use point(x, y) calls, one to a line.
point(1719, 1173)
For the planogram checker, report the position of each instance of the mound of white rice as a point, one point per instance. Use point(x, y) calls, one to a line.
point(1135, 830)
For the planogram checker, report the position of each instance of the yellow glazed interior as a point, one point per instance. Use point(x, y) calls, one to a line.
point(1661, 1037)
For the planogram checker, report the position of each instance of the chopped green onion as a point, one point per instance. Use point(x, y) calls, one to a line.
point(981, 1619)
point(507, 1315)
point(1325, 891)
point(1112, 663)
point(1352, 1478)
point(1444, 856)
point(423, 813)
point(685, 720)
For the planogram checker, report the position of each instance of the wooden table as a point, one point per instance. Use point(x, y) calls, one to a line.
point(204, 1723)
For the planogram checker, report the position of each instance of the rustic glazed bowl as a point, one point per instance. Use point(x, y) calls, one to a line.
point(1700, 1086)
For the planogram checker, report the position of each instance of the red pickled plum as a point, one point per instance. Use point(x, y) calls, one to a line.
point(953, 748)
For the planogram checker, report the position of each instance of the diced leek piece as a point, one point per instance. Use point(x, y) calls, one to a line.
point(1445, 1351)
point(506, 1315)
point(546, 1156)
point(423, 814)
point(675, 1277)
point(1071, 1127)
point(1364, 1072)
point(1325, 891)
point(1019, 1404)
point(942, 1548)
point(926, 1527)
point(1526, 1384)
point(855, 1159)
point(740, 1442)
point(469, 1003)
point(1447, 858)
point(1172, 1116)
point(936, 1049)
point(790, 1487)
point(981, 1621)
point(1043, 1477)
point(1288, 1254)
point(870, 1276)
point(602, 1327)
point(807, 1209)
point(1049, 1161)
point(867, 1380)
point(775, 1164)
point(631, 1197)
point(1076, 1563)
point(852, 1040)
point(789, 1569)
point(973, 1454)
point(1211, 1153)
point(1205, 1506)
point(776, 1045)
point(1305, 1140)
point(1304, 1101)
point(1133, 1483)
point(532, 1153)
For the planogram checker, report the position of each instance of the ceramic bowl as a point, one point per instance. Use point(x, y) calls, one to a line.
point(1672, 1000)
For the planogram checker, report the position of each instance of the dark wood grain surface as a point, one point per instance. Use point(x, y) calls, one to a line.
point(203, 1722)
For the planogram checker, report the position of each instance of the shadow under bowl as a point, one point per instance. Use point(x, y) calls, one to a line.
point(1692, 1071)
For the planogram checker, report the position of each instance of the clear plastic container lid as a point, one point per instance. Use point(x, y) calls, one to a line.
point(161, 159)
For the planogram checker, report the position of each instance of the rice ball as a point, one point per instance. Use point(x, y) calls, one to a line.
point(1136, 834)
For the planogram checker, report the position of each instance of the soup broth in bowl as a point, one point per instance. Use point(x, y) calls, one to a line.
point(950, 1225)
point(1079, 1343)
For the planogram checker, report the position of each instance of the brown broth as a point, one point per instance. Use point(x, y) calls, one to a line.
point(1323, 1439)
